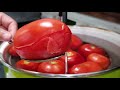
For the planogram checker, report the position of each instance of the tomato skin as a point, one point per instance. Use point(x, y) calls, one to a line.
point(78, 68)
point(92, 66)
point(53, 67)
point(87, 49)
point(103, 61)
point(41, 39)
point(73, 58)
point(23, 64)
point(12, 51)
point(76, 42)
point(85, 67)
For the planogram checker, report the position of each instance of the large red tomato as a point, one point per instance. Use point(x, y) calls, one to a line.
point(53, 67)
point(76, 42)
point(73, 58)
point(87, 49)
point(85, 67)
point(100, 59)
point(23, 64)
point(41, 39)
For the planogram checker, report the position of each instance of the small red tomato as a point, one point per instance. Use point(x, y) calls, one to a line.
point(73, 58)
point(76, 42)
point(87, 49)
point(78, 68)
point(92, 66)
point(85, 67)
point(12, 51)
point(103, 61)
point(53, 67)
point(23, 64)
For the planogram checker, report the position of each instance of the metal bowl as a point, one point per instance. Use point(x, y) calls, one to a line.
point(104, 38)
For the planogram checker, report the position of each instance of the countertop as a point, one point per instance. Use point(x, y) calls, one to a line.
point(110, 16)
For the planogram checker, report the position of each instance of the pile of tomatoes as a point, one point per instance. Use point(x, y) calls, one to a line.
point(81, 58)
point(47, 38)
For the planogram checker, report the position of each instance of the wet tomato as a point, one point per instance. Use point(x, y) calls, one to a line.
point(92, 66)
point(76, 42)
point(27, 65)
point(73, 58)
point(53, 67)
point(78, 68)
point(41, 39)
point(12, 51)
point(103, 61)
point(85, 67)
point(87, 49)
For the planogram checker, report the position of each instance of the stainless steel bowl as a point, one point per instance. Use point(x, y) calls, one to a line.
point(106, 39)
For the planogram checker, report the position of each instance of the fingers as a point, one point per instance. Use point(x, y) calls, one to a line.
point(4, 34)
point(8, 23)
point(12, 28)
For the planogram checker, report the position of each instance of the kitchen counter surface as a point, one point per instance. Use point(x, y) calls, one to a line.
point(110, 16)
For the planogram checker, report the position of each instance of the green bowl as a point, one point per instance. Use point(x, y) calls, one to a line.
point(13, 74)
point(106, 39)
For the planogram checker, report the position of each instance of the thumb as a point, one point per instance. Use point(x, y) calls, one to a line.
point(4, 35)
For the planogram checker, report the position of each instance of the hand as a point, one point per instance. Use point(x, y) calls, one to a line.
point(8, 27)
